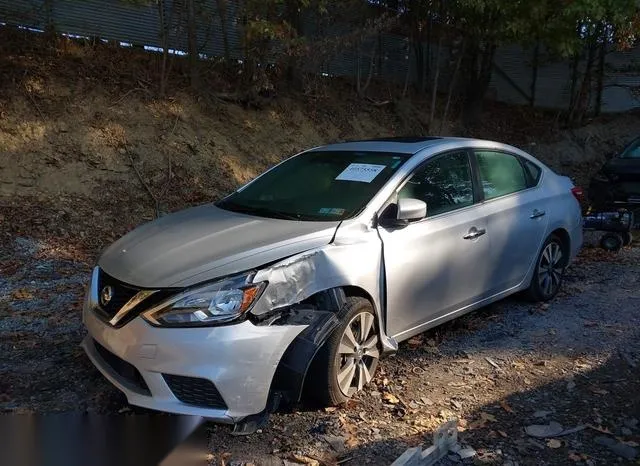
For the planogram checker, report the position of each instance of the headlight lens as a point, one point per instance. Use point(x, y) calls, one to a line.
point(219, 302)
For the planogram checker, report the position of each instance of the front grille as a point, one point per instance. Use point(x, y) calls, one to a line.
point(125, 370)
point(122, 293)
point(195, 391)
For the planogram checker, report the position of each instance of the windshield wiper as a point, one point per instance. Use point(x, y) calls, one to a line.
point(259, 211)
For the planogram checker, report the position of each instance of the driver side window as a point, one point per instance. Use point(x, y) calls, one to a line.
point(444, 183)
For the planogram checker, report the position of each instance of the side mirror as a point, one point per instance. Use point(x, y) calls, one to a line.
point(411, 209)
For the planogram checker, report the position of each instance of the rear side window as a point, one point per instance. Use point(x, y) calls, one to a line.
point(533, 171)
point(500, 174)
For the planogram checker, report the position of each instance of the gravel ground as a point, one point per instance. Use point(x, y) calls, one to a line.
point(575, 361)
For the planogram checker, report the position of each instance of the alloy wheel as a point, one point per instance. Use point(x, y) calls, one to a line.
point(551, 268)
point(358, 353)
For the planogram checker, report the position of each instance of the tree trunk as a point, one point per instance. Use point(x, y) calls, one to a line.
point(602, 52)
point(418, 52)
point(363, 88)
point(434, 89)
point(165, 48)
point(222, 12)
point(192, 37)
point(583, 97)
point(479, 69)
point(574, 79)
point(534, 77)
point(294, 18)
point(408, 75)
point(49, 26)
point(452, 85)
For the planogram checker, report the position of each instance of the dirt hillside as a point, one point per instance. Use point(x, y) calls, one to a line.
point(79, 124)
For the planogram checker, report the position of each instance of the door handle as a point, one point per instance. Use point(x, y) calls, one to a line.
point(537, 213)
point(474, 233)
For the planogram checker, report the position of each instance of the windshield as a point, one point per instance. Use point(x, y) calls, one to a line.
point(316, 186)
point(632, 151)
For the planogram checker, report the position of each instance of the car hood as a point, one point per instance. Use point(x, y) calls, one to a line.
point(202, 243)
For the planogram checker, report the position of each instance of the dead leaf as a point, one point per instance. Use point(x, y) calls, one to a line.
point(224, 457)
point(502, 433)
point(305, 460)
point(575, 457)
point(599, 391)
point(583, 366)
point(414, 342)
point(351, 442)
point(506, 407)
point(482, 422)
point(22, 294)
point(488, 417)
point(385, 382)
point(462, 424)
point(390, 398)
point(330, 409)
point(554, 443)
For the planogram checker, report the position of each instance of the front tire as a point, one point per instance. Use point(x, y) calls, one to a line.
point(349, 358)
point(549, 270)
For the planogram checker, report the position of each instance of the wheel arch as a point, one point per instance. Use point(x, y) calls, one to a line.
point(288, 384)
point(565, 238)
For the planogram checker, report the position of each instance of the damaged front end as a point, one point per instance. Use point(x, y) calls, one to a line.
point(310, 289)
point(319, 315)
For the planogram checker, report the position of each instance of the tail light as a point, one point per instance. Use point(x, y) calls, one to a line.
point(578, 193)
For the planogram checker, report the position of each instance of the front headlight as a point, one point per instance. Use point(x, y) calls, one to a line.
point(218, 302)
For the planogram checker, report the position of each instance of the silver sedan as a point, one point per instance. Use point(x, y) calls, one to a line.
point(307, 275)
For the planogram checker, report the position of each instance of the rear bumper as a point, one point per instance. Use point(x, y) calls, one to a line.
point(240, 360)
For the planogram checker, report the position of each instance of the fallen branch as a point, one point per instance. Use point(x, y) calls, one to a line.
point(126, 94)
point(144, 184)
point(379, 103)
point(33, 101)
point(175, 123)
point(166, 183)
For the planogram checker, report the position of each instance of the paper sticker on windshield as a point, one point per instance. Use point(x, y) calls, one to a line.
point(363, 172)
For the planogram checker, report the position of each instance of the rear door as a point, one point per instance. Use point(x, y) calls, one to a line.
point(438, 264)
point(516, 215)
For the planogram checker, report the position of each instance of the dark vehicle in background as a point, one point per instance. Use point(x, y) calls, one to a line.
point(617, 184)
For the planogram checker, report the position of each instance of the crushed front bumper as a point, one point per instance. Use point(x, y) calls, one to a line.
point(238, 361)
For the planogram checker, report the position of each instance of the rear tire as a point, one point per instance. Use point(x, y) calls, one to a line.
point(349, 358)
point(611, 242)
point(549, 270)
point(627, 238)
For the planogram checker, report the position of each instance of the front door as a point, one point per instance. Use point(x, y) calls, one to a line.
point(437, 265)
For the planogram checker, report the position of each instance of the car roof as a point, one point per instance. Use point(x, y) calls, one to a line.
point(398, 145)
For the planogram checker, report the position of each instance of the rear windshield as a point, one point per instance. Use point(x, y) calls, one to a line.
point(317, 186)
